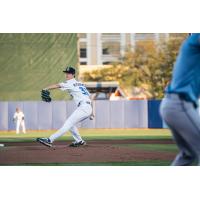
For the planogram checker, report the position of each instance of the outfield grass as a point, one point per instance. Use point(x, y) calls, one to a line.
point(91, 134)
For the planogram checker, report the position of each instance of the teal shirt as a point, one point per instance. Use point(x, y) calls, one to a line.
point(186, 72)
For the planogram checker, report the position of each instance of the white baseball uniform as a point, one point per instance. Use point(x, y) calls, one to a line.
point(19, 119)
point(84, 109)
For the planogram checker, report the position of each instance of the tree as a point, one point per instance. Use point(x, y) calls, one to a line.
point(148, 67)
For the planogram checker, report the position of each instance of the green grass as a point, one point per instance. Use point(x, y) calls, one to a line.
point(91, 134)
point(129, 163)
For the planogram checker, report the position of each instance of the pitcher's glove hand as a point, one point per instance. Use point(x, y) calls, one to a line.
point(45, 95)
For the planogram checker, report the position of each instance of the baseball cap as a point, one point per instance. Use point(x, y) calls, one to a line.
point(69, 70)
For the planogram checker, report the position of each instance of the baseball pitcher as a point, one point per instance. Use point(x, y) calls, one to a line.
point(84, 109)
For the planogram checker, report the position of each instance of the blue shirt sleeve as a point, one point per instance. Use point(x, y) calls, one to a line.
point(194, 39)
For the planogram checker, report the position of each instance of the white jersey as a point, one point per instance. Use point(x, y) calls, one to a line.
point(19, 116)
point(76, 89)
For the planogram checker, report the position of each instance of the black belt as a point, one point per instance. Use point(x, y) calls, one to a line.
point(88, 102)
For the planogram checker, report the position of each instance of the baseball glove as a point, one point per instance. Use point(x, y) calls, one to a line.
point(45, 95)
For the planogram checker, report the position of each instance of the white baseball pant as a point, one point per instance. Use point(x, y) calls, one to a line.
point(22, 124)
point(81, 113)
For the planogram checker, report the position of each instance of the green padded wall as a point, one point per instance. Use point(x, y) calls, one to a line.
point(30, 62)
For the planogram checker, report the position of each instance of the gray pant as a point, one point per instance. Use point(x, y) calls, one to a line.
point(184, 122)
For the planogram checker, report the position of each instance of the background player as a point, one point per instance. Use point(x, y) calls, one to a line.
point(18, 118)
point(84, 109)
point(179, 107)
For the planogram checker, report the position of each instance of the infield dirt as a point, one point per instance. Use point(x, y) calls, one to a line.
point(95, 151)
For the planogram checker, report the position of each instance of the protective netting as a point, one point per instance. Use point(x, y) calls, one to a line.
point(30, 62)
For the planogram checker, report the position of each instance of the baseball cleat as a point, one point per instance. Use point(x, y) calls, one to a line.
point(44, 141)
point(77, 144)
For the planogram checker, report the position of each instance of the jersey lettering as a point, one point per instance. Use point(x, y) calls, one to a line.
point(84, 90)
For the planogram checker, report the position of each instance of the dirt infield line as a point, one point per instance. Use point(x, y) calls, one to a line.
point(95, 151)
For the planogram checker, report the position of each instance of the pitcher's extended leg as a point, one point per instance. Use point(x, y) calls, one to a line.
point(75, 134)
point(75, 117)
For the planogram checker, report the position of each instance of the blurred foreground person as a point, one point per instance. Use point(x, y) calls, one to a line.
point(179, 108)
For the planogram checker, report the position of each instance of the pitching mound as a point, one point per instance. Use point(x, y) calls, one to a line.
point(95, 151)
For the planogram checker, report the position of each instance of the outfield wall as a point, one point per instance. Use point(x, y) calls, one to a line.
point(44, 116)
point(154, 118)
